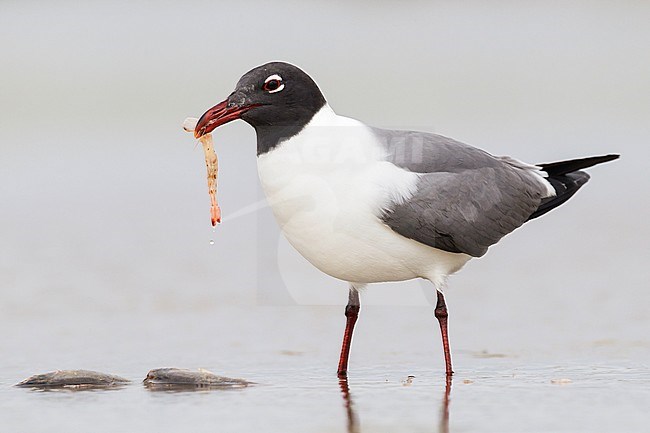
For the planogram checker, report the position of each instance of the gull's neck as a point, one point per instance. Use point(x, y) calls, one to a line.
point(270, 136)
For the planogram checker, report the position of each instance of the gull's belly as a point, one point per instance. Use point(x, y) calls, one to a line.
point(331, 217)
point(329, 225)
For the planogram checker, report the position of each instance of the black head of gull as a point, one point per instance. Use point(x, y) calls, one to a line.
point(277, 99)
point(389, 205)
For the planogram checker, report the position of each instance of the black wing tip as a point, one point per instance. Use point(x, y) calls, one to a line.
point(564, 167)
point(567, 178)
point(608, 157)
point(590, 160)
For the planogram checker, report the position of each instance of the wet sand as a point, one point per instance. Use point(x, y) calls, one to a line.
point(394, 384)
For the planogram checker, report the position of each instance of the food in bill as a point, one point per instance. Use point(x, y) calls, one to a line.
point(212, 165)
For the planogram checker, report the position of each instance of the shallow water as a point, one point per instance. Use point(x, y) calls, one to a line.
point(108, 261)
point(603, 387)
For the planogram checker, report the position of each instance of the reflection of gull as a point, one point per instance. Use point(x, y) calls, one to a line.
point(368, 205)
point(444, 407)
point(353, 420)
point(353, 425)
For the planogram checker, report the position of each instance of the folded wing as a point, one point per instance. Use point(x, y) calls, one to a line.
point(466, 199)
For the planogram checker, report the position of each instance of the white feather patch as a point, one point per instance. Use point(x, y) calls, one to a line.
point(327, 187)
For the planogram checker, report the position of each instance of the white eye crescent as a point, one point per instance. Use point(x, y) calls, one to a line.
point(273, 84)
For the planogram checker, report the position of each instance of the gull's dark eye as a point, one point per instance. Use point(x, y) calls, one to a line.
point(273, 84)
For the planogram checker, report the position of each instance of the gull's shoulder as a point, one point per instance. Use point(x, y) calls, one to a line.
point(425, 152)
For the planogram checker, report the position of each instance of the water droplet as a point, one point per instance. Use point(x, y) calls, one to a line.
point(211, 241)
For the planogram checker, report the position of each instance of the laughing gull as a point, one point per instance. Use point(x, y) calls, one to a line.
point(368, 205)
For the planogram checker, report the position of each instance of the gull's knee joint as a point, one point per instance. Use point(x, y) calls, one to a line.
point(351, 311)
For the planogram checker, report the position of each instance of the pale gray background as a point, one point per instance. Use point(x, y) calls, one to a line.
point(105, 259)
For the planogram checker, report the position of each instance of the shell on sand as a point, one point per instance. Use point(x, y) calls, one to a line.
point(174, 378)
point(80, 379)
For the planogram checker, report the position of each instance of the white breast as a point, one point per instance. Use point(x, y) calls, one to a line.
point(327, 187)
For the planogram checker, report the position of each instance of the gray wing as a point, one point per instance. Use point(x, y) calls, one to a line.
point(466, 199)
point(423, 152)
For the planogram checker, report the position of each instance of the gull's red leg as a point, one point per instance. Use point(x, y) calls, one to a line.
point(351, 315)
point(441, 314)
